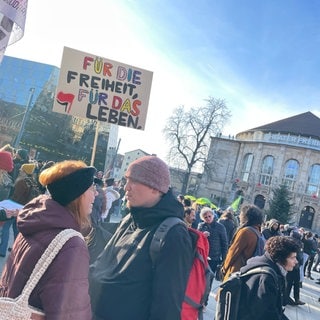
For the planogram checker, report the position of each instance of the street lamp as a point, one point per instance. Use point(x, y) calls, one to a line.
point(25, 117)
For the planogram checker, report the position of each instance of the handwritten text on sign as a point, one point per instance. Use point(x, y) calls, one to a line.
point(102, 89)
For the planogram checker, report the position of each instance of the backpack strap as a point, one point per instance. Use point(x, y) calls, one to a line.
point(159, 236)
point(155, 247)
point(262, 269)
point(260, 237)
point(254, 230)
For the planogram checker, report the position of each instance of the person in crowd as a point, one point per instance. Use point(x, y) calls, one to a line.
point(24, 190)
point(219, 212)
point(7, 147)
point(98, 236)
point(317, 257)
point(189, 216)
point(62, 292)
point(227, 220)
point(272, 229)
point(180, 198)
point(197, 209)
point(99, 175)
point(217, 237)
point(20, 157)
point(45, 166)
point(25, 187)
point(261, 297)
point(116, 205)
point(6, 214)
point(100, 203)
point(39, 164)
point(301, 231)
point(281, 230)
point(186, 202)
point(111, 195)
point(286, 229)
point(124, 270)
point(6, 166)
point(245, 240)
point(234, 217)
point(310, 248)
point(293, 276)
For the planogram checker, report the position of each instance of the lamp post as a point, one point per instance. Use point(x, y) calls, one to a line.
point(25, 117)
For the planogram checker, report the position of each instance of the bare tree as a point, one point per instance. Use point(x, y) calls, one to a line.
point(189, 132)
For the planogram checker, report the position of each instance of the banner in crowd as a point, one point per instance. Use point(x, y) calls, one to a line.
point(12, 22)
point(236, 203)
point(101, 89)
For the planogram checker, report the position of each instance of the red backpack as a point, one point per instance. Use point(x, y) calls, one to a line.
point(200, 277)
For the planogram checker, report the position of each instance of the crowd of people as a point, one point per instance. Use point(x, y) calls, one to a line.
point(69, 194)
point(241, 243)
point(19, 182)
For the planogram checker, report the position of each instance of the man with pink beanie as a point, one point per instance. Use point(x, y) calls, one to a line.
point(124, 284)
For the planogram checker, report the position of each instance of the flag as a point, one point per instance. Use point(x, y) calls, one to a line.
point(236, 203)
point(12, 22)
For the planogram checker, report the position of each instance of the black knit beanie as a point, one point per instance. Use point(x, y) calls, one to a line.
point(72, 186)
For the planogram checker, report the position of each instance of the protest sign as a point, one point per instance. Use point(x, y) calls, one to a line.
point(101, 89)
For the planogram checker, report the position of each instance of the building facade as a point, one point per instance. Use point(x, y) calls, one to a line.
point(285, 152)
point(27, 91)
point(129, 157)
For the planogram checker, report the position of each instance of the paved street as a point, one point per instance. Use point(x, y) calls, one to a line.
point(310, 293)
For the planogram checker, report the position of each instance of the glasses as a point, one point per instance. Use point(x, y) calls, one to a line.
point(207, 217)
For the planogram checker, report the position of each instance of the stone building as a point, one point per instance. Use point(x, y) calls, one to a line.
point(258, 160)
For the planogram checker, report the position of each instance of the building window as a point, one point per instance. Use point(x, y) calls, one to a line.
point(266, 171)
point(290, 173)
point(246, 168)
point(314, 180)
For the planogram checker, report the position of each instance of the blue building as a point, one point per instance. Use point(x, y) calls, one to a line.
point(18, 77)
point(27, 91)
point(21, 83)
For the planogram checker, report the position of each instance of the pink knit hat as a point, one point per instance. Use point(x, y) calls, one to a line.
point(6, 162)
point(150, 171)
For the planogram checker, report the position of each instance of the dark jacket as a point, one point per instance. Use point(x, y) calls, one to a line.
point(262, 297)
point(270, 231)
point(298, 239)
point(99, 206)
point(310, 246)
point(230, 227)
point(3, 215)
point(17, 164)
point(218, 240)
point(123, 284)
point(25, 189)
point(62, 292)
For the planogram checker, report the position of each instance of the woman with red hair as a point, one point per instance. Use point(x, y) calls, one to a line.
point(62, 292)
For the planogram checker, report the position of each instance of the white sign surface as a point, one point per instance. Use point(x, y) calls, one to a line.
point(101, 89)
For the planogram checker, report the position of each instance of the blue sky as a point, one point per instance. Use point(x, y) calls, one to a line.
point(262, 57)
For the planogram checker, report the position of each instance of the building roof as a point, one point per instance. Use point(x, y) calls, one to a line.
point(304, 124)
point(136, 151)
